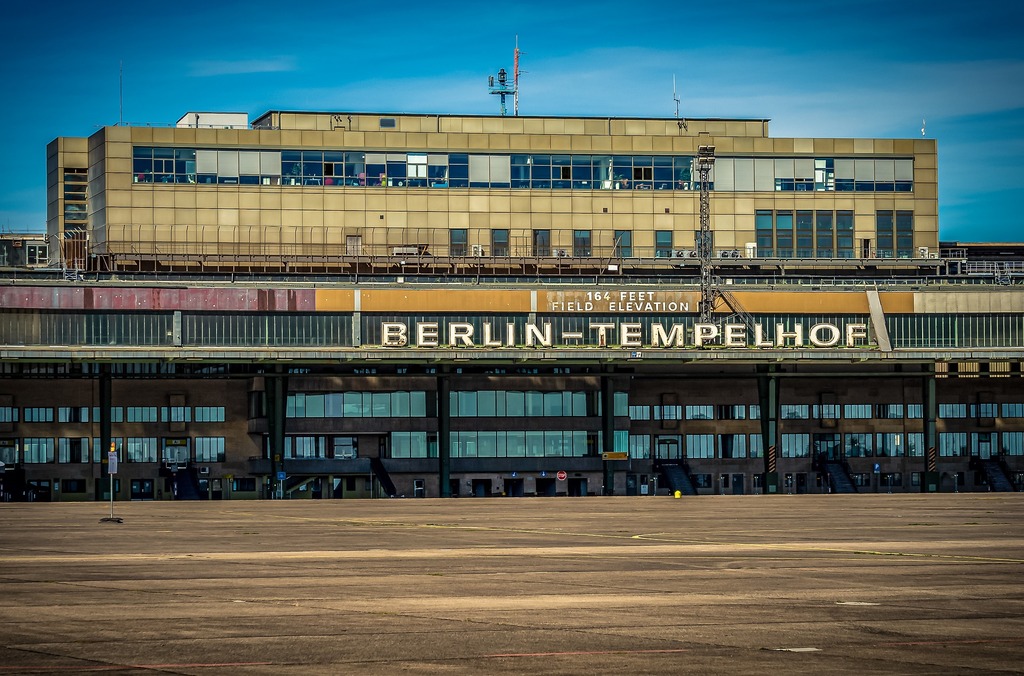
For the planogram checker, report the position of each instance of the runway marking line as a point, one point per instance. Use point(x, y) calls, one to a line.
point(591, 652)
point(118, 667)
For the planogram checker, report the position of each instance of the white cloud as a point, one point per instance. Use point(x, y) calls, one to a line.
point(242, 67)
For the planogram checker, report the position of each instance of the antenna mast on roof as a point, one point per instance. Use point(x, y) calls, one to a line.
point(503, 88)
point(675, 97)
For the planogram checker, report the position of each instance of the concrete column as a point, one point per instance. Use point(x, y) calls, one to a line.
point(106, 397)
point(444, 434)
point(608, 431)
point(930, 413)
point(276, 389)
point(768, 396)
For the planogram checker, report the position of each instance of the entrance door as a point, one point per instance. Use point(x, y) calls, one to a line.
point(515, 488)
point(481, 488)
point(737, 484)
point(984, 447)
point(667, 448)
point(142, 489)
point(546, 487)
point(354, 245)
point(577, 487)
point(828, 446)
point(631, 484)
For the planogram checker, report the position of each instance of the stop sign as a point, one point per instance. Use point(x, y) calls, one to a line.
point(561, 475)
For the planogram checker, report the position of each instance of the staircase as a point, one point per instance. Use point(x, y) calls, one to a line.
point(996, 476)
point(186, 483)
point(839, 478)
point(381, 472)
point(678, 478)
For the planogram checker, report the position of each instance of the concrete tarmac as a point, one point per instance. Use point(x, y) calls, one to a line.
point(811, 584)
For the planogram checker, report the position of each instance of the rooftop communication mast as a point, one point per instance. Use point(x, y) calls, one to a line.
point(705, 161)
point(503, 88)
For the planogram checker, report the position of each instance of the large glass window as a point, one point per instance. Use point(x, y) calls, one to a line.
point(581, 245)
point(419, 169)
point(624, 243)
point(209, 414)
point(499, 242)
point(140, 449)
point(38, 414)
point(140, 414)
point(1013, 443)
point(640, 446)
point(858, 445)
point(458, 239)
point(796, 446)
point(209, 449)
point(36, 450)
point(765, 232)
point(952, 444)
point(663, 244)
point(794, 411)
point(733, 446)
point(73, 450)
point(700, 445)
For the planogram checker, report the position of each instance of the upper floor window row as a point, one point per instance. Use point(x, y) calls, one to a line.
point(334, 168)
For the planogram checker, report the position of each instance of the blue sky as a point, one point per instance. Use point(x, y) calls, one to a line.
point(825, 68)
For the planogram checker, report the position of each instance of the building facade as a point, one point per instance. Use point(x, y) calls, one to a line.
point(335, 305)
point(325, 190)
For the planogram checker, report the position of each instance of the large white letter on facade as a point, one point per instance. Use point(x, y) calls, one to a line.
point(460, 331)
point(629, 335)
point(735, 335)
point(855, 331)
point(815, 335)
point(676, 337)
point(426, 334)
point(759, 340)
point(489, 337)
point(534, 336)
point(394, 334)
point(703, 333)
point(797, 334)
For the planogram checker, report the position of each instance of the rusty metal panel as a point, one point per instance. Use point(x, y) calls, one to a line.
point(334, 300)
point(437, 300)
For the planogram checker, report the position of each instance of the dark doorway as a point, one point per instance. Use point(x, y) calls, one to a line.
point(631, 484)
point(481, 488)
point(737, 484)
point(577, 487)
point(546, 487)
point(515, 488)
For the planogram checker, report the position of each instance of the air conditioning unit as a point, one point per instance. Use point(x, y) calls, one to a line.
point(477, 249)
point(204, 471)
point(561, 253)
point(683, 253)
point(922, 252)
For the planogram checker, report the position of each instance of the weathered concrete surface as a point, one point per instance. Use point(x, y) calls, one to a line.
point(726, 584)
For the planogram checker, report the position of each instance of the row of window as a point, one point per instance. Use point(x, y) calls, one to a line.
point(828, 234)
point(832, 446)
point(255, 330)
point(502, 403)
point(556, 172)
point(75, 450)
point(118, 414)
point(357, 405)
point(823, 411)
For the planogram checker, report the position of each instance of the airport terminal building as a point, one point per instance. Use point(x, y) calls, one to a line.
point(350, 305)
